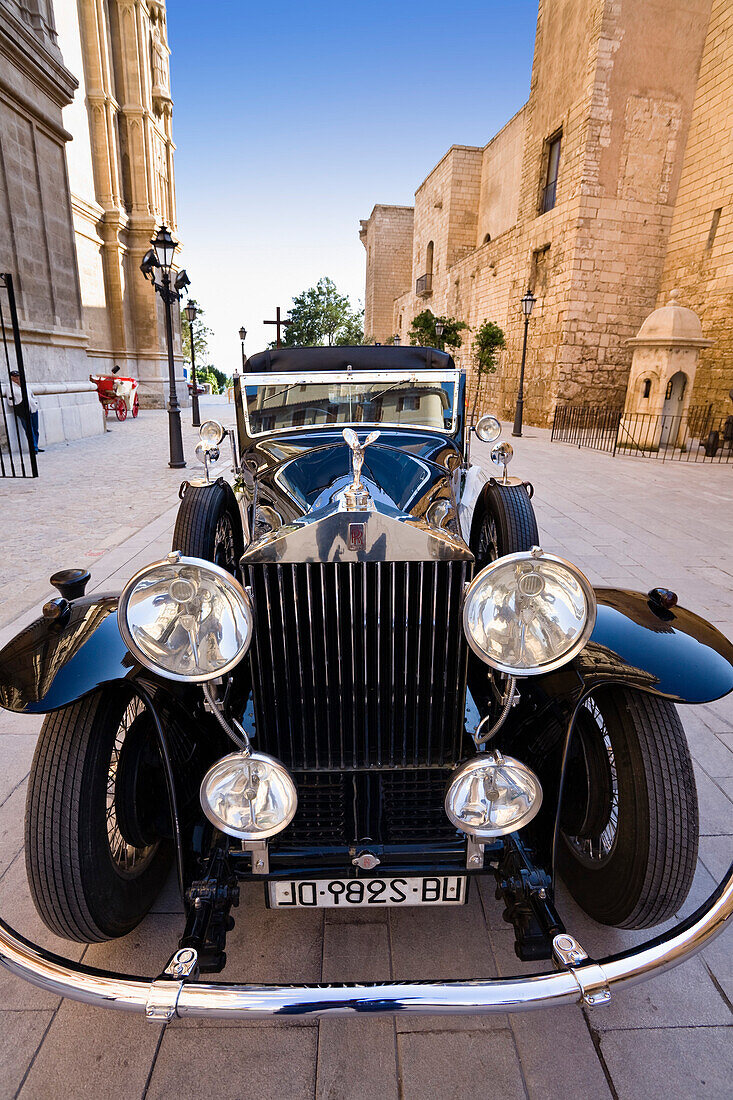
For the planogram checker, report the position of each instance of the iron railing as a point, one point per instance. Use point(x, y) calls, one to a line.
point(694, 436)
point(424, 286)
point(17, 448)
point(549, 193)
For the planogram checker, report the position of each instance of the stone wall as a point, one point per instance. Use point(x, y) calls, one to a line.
point(36, 221)
point(699, 259)
point(121, 178)
point(616, 80)
point(387, 238)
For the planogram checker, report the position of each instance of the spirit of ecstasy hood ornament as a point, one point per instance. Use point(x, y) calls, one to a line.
point(356, 495)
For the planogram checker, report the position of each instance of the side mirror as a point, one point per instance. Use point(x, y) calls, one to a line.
point(488, 429)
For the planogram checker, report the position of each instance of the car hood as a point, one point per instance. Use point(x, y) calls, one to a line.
point(296, 481)
point(301, 511)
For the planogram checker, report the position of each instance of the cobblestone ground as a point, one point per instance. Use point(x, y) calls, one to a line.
point(626, 522)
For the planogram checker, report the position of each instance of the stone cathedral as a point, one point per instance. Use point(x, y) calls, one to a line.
point(608, 190)
point(86, 177)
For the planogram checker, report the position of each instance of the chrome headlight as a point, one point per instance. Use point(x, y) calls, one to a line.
point(249, 795)
point(528, 613)
point(492, 795)
point(211, 433)
point(488, 429)
point(186, 619)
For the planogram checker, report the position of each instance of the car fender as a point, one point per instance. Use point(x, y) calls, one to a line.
point(473, 482)
point(53, 663)
point(635, 643)
point(670, 652)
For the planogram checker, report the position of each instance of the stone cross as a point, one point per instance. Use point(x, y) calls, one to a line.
point(280, 324)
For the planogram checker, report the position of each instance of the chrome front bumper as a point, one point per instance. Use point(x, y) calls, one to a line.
point(578, 980)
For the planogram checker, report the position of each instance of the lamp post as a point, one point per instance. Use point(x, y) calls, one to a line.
point(191, 315)
point(528, 302)
point(156, 266)
point(396, 340)
point(242, 338)
point(439, 328)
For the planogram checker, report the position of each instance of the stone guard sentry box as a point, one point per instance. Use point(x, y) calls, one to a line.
point(665, 355)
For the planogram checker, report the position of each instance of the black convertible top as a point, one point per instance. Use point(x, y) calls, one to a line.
point(362, 357)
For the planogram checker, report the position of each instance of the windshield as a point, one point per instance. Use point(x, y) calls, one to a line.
point(281, 402)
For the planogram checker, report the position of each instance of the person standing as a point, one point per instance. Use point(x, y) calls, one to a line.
point(28, 413)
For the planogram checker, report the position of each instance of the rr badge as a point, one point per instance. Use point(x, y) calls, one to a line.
point(357, 539)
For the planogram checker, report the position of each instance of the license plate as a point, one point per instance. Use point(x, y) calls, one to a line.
point(349, 893)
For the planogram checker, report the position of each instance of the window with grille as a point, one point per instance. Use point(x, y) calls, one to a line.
point(549, 192)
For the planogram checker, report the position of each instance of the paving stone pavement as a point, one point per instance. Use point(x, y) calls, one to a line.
point(626, 522)
point(91, 496)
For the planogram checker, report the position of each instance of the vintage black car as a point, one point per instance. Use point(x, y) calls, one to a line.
point(357, 680)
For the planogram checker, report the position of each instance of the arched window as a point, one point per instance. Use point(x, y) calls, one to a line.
point(429, 258)
point(646, 387)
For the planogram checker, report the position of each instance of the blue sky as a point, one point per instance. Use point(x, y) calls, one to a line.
point(292, 119)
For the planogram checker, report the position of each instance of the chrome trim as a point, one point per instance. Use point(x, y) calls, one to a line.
point(350, 377)
point(164, 999)
point(374, 669)
point(327, 377)
point(389, 535)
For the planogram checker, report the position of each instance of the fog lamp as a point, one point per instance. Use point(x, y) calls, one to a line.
point(205, 454)
point(211, 433)
point(249, 795)
point(491, 795)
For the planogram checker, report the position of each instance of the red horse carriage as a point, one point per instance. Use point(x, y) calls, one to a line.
point(117, 393)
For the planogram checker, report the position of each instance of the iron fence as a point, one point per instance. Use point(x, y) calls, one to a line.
point(695, 436)
point(17, 447)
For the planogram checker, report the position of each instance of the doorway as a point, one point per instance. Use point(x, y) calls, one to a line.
point(674, 399)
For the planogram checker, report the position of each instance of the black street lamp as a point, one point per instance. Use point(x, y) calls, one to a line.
point(156, 266)
point(528, 302)
point(191, 315)
point(242, 338)
point(439, 327)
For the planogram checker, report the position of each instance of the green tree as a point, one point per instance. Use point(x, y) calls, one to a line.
point(321, 315)
point(222, 380)
point(201, 334)
point(488, 340)
point(424, 335)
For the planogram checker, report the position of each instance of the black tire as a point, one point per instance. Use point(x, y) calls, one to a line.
point(208, 526)
point(630, 826)
point(504, 523)
point(88, 882)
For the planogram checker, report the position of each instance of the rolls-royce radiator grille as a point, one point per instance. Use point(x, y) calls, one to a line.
point(359, 665)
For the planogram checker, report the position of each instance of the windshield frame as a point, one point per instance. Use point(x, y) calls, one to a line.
point(388, 377)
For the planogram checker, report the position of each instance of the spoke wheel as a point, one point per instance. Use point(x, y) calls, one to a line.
point(208, 526)
point(487, 549)
point(126, 787)
point(225, 553)
point(594, 782)
point(504, 523)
